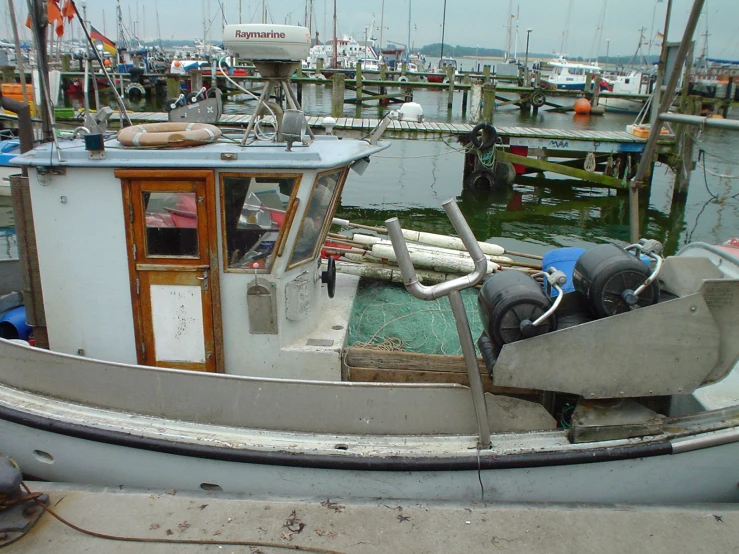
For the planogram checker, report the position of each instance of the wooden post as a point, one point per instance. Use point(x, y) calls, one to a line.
point(173, 85)
point(358, 79)
point(66, 63)
point(300, 70)
point(475, 101)
point(383, 72)
point(319, 66)
point(8, 74)
point(337, 95)
point(466, 81)
point(486, 74)
point(450, 78)
point(596, 89)
point(403, 68)
point(196, 81)
point(588, 83)
point(729, 92)
point(488, 103)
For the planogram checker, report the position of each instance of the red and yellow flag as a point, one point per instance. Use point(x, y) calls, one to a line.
point(108, 45)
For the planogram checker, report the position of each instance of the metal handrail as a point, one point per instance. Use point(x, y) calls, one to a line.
point(452, 290)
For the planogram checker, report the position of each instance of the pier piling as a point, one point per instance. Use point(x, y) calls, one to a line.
point(337, 98)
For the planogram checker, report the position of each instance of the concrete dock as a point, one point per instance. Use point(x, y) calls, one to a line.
point(333, 525)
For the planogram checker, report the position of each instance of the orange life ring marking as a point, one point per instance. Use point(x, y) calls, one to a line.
point(173, 133)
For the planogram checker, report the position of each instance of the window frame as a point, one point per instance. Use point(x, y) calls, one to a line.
point(343, 173)
point(298, 176)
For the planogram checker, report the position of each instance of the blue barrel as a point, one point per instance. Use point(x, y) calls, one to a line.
point(563, 259)
point(13, 324)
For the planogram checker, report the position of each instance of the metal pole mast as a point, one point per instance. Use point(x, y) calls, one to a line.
point(443, 28)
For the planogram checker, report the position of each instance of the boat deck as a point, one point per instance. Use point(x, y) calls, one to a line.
point(332, 525)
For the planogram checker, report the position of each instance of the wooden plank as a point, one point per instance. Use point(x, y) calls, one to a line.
point(534, 163)
point(373, 375)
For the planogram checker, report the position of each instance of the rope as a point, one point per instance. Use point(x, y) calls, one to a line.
point(105, 536)
point(392, 344)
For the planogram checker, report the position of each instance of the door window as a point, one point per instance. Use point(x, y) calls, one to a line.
point(171, 224)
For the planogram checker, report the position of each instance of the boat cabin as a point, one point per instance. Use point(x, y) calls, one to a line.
point(205, 258)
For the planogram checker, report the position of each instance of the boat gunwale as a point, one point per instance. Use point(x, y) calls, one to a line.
point(476, 460)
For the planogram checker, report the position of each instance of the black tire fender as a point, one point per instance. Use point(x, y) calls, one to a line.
point(483, 136)
point(538, 99)
point(481, 179)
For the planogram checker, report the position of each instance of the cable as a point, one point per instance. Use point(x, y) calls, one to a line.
point(257, 131)
point(105, 536)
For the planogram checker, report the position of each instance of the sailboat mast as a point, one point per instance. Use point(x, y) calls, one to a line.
point(408, 46)
point(566, 32)
point(509, 17)
point(336, 49)
point(443, 28)
point(382, 24)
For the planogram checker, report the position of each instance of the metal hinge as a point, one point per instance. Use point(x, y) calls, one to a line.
point(138, 286)
point(134, 251)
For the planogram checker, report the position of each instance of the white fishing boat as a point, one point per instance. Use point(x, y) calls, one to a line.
point(196, 342)
point(565, 75)
point(638, 83)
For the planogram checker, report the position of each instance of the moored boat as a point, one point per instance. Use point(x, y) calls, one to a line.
point(193, 344)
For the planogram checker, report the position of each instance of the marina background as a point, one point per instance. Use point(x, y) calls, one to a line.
point(413, 177)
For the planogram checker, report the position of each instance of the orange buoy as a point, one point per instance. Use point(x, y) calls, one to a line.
point(582, 106)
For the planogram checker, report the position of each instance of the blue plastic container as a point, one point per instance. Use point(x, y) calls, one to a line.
point(13, 324)
point(9, 149)
point(563, 259)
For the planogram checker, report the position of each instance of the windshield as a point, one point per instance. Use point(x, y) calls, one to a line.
point(315, 222)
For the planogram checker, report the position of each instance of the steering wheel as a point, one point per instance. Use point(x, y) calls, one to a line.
point(329, 277)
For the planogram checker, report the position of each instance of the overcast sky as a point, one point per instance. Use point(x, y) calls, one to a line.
point(468, 22)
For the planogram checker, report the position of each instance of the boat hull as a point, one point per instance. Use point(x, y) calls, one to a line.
point(664, 477)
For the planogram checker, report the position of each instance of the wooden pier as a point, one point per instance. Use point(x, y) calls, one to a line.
point(528, 147)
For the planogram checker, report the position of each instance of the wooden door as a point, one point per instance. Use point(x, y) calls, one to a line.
point(173, 266)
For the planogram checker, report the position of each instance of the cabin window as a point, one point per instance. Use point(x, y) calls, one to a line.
point(171, 224)
point(254, 209)
point(315, 224)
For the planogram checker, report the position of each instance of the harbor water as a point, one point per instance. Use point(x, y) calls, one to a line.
point(412, 178)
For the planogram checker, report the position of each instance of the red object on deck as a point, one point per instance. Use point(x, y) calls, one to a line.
point(519, 151)
point(335, 255)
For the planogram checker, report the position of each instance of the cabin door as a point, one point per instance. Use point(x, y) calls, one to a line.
point(173, 266)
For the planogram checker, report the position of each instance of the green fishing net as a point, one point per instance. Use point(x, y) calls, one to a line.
point(387, 316)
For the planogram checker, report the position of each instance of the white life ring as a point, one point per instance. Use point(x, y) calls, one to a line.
point(173, 133)
point(402, 79)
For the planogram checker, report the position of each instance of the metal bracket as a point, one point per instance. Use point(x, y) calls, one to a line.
point(51, 170)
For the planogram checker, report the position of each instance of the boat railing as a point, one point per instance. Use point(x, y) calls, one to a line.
point(451, 289)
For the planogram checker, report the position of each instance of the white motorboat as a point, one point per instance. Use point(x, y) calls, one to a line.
point(192, 343)
point(638, 83)
point(565, 75)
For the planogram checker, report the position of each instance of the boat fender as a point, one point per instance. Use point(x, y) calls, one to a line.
point(173, 134)
point(329, 277)
point(483, 136)
point(538, 99)
point(135, 91)
point(505, 173)
point(481, 179)
point(402, 79)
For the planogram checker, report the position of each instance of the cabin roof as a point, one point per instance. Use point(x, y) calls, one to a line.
point(324, 152)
